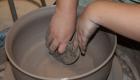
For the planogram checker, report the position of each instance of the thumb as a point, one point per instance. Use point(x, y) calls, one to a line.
point(75, 41)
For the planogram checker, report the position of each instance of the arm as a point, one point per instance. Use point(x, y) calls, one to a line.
point(66, 6)
point(62, 25)
point(121, 18)
point(118, 17)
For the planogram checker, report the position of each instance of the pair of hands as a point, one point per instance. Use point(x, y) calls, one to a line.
point(62, 28)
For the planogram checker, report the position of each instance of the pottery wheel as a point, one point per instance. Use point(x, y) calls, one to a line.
point(115, 74)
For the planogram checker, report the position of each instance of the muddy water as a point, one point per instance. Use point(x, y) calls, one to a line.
point(39, 62)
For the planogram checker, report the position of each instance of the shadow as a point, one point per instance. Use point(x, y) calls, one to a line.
point(124, 41)
point(129, 43)
point(101, 29)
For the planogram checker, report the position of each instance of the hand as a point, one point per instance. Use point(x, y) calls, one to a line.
point(61, 30)
point(84, 30)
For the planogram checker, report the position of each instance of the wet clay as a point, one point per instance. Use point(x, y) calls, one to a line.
point(47, 66)
point(70, 55)
point(33, 56)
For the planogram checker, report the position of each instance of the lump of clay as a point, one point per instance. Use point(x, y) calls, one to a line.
point(69, 56)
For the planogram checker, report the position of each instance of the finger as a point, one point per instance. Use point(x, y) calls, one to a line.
point(54, 46)
point(83, 45)
point(79, 34)
point(75, 41)
point(83, 36)
point(62, 47)
point(79, 37)
point(81, 42)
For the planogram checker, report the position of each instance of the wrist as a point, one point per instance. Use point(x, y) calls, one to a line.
point(68, 7)
point(97, 11)
point(66, 13)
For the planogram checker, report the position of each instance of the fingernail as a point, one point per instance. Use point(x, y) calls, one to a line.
point(83, 52)
point(61, 48)
point(60, 51)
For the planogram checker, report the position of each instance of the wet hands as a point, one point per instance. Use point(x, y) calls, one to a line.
point(84, 30)
point(62, 27)
point(61, 30)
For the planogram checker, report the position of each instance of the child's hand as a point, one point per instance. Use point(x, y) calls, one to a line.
point(85, 28)
point(61, 30)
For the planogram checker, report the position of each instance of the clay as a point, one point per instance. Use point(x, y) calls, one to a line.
point(37, 60)
point(69, 56)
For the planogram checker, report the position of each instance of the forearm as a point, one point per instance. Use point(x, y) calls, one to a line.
point(121, 18)
point(68, 7)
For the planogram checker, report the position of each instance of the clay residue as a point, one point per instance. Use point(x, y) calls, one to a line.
point(69, 56)
point(38, 61)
